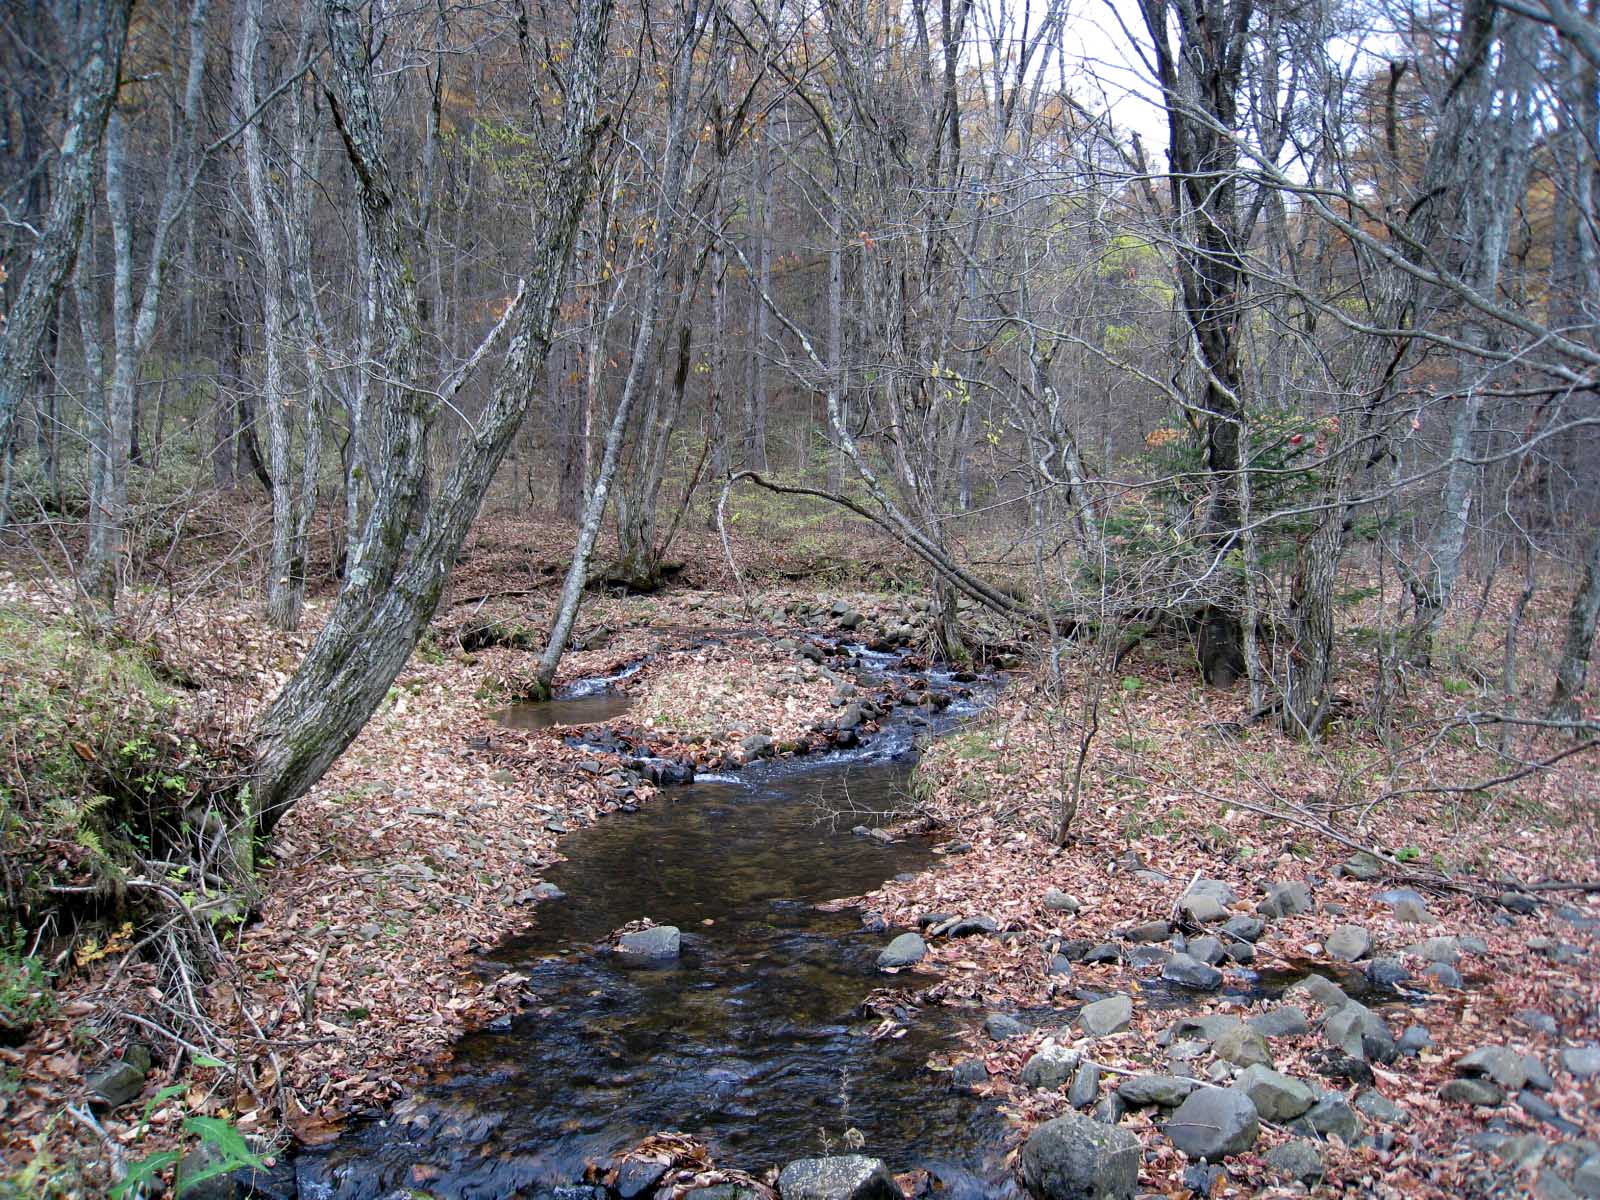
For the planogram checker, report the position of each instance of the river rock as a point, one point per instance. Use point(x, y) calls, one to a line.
point(906, 949)
point(1538, 1020)
point(1413, 912)
point(842, 1177)
point(1277, 1097)
point(1586, 1177)
point(1518, 902)
point(1500, 1063)
point(1214, 889)
point(1058, 901)
point(1202, 910)
point(659, 942)
point(1085, 1085)
point(1286, 899)
point(1330, 1116)
point(1386, 972)
point(199, 1175)
point(1002, 1027)
point(1482, 1093)
point(969, 1072)
point(1363, 866)
point(1205, 949)
point(1539, 1078)
point(119, 1081)
point(1243, 1047)
point(1150, 931)
point(972, 926)
point(757, 745)
point(1581, 1061)
point(637, 1176)
point(1436, 949)
point(1326, 994)
point(1191, 973)
point(1214, 1123)
point(1141, 1091)
point(1050, 1067)
point(1105, 1017)
point(1206, 1026)
point(1284, 1021)
point(1299, 1159)
point(1444, 975)
point(1103, 953)
point(1240, 952)
point(1349, 943)
point(849, 717)
point(1075, 1158)
point(1374, 1104)
point(1244, 929)
point(1361, 1033)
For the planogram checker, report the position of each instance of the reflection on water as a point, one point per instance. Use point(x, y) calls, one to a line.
point(572, 710)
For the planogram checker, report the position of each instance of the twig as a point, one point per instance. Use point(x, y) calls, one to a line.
point(119, 1169)
point(308, 1000)
point(1484, 785)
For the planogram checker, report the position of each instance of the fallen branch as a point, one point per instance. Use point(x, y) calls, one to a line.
point(1484, 785)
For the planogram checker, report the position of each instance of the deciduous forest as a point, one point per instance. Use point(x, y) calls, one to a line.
point(755, 599)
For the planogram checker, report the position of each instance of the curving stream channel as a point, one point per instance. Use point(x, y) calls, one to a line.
point(753, 1040)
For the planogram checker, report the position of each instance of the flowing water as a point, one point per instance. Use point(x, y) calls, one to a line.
point(754, 1040)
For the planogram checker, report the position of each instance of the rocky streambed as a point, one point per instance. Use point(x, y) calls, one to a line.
point(684, 973)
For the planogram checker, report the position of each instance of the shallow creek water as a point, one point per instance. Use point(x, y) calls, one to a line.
point(752, 1041)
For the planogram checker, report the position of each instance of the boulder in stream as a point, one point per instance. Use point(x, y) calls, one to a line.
point(842, 1177)
point(659, 943)
point(906, 949)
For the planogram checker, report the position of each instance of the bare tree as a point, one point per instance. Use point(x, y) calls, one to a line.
point(399, 569)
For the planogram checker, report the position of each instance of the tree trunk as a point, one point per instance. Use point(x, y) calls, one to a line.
point(677, 152)
point(91, 92)
point(133, 320)
point(397, 575)
point(755, 410)
point(1572, 668)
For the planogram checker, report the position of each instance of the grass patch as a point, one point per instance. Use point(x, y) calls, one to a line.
point(96, 777)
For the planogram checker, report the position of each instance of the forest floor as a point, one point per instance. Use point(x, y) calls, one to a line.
point(427, 843)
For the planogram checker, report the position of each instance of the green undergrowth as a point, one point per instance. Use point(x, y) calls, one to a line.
point(99, 782)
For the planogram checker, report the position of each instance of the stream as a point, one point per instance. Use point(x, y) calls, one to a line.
point(753, 1040)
